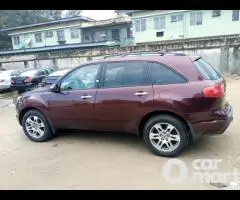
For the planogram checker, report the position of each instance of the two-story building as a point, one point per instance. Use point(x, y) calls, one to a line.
point(159, 25)
point(76, 31)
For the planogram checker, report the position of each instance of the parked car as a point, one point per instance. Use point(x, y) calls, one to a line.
point(28, 80)
point(5, 78)
point(51, 78)
point(50, 70)
point(169, 99)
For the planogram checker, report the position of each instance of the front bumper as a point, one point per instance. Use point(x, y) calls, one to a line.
point(218, 126)
point(4, 87)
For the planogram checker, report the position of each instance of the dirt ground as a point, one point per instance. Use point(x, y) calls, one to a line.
point(104, 161)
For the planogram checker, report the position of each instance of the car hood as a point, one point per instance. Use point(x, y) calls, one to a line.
point(38, 90)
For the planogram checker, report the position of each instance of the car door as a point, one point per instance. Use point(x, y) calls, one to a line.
point(124, 96)
point(73, 106)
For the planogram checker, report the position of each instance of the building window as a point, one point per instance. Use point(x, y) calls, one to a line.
point(86, 38)
point(115, 34)
point(235, 15)
point(129, 32)
point(38, 37)
point(160, 34)
point(196, 18)
point(216, 13)
point(16, 40)
point(75, 33)
point(159, 22)
point(140, 25)
point(49, 34)
point(176, 18)
point(60, 35)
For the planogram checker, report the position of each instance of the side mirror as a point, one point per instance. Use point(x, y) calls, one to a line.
point(54, 88)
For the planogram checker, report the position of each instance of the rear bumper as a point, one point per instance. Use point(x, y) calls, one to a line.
point(22, 87)
point(214, 127)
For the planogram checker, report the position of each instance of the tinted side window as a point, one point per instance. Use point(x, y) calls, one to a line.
point(123, 74)
point(163, 75)
point(207, 70)
point(81, 78)
point(41, 73)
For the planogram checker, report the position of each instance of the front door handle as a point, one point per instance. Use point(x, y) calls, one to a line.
point(86, 97)
point(140, 93)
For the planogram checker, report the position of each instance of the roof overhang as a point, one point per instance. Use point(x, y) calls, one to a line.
point(71, 19)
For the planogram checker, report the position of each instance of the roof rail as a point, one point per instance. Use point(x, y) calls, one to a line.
point(145, 53)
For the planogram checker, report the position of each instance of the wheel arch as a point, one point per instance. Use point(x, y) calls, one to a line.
point(159, 112)
point(25, 110)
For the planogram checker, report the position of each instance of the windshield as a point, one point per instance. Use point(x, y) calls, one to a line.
point(29, 73)
point(59, 73)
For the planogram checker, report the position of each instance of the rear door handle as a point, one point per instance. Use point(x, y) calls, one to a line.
point(86, 97)
point(140, 93)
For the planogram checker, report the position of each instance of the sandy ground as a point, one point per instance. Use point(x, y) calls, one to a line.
point(104, 161)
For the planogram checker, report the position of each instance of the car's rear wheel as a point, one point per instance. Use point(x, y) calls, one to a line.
point(36, 126)
point(165, 135)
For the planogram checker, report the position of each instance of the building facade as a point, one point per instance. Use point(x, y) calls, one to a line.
point(70, 31)
point(160, 25)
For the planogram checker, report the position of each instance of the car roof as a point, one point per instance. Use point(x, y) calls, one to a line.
point(179, 62)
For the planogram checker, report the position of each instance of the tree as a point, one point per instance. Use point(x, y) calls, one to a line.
point(51, 14)
point(72, 13)
point(12, 18)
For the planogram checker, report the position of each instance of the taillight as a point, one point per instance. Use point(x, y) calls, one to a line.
point(28, 80)
point(214, 91)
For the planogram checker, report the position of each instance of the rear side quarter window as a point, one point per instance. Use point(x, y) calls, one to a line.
point(206, 70)
point(162, 74)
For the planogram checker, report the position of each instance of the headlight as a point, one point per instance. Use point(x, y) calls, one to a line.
point(19, 99)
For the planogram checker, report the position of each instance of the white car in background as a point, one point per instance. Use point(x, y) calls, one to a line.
point(5, 78)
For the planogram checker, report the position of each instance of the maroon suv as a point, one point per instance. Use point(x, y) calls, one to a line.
point(170, 99)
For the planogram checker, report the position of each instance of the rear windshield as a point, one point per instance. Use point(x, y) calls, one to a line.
point(29, 73)
point(206, 70)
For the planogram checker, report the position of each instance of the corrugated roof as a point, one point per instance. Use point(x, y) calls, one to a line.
point(127, 12)
point(58, 47)
point(83, 18)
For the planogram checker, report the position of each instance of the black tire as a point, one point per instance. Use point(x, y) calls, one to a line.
point(47, 130)
point(179, 125)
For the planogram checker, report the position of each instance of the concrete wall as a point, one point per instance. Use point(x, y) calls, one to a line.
point(211, 26)
point(213, 56)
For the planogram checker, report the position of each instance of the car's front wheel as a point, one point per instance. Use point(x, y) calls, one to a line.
point(36, 126)
point(165, 135)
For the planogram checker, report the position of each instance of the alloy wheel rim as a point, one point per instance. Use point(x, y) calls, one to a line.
point(35, 127)
point(165, 137)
